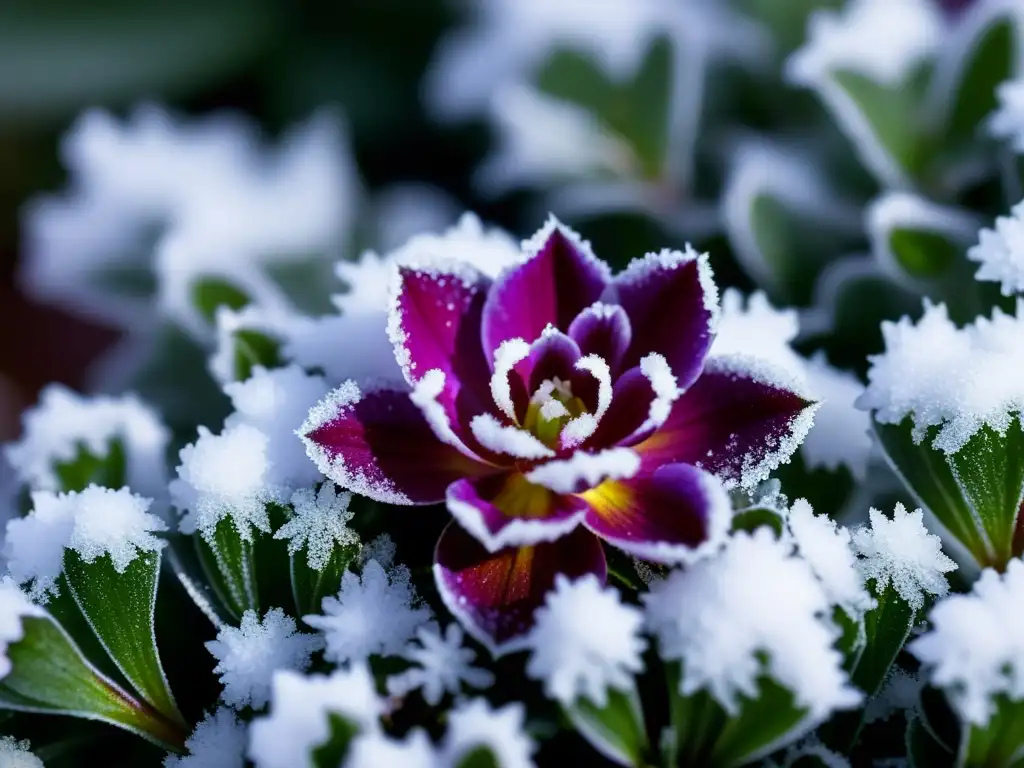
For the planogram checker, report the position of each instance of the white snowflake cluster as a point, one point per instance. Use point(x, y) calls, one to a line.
point(319, 523)
point(442, 664)
point(1007, 122)
point(14, 606)
point(1000, 252)
point(217, 742)
point(17, 754)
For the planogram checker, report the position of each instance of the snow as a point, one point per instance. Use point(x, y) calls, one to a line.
point(1000, 251)
point(585, 470)
point(225, 476)
point(14, 606)
point(656, 369)
point(508, 354)
point(17, 754)
point(441, 664)
point(476, 724)
point(827, 548)
point(899, 551)
point(755, 327)
point(344, 347)
point(900, 692)
point(275, 325)
point(1007, 122)
point(299, 709)
point(585, 641)
point(958, 379)
point(507, 438)
point(975, 647)
point(720, 623)
point(94, 522)
point(217, 742)
point(248, 656)
point(583, 426)
point(276, 403)
point(375, 614)
point(382, 549)
point(319, 523)
point(62, 421)
point(375, 750)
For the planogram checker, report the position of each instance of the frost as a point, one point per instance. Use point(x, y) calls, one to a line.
point(475, 724)
point(17, 754)
point(755, 327)
point(975, 649)
point(14, 606)
point(298, 718)
point(276, 403)
point(217, 742)
point(382, 549)
point(507, 438)
point(585, 641)
point(442, 665)
point(508, 354)
point(585, 470)
point(53, 431)
point(319, 523)
point(375, 750)
point(228, 322)
point(94, 522)
point(959, 379)
point(900, 552)
point(225, 476)
point(1000, 251)
point(376, 614)
point(900, 693)
point(343, 346)
point(487, 249)
point(728, 629)
point(249, 656)
point(827, 549)
point(1007, 122)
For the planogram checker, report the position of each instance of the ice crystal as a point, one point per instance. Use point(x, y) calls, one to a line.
point(442, 664)
point(319, 523)
point(475, 724)
point(1000, 252)
point(217, 742)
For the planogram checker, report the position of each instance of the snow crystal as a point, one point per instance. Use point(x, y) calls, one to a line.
point(585, 470)
point(720, 622)
point(442, 665)
point(382, 549)
point(508, 354)
point(217, 742)
point(374, 750)
point(319, 523)
point(17, 754)
point(1000, 252)
point(758, 329)
point(93, 522)
point(900, 552)
point(376, 614)
point(299, 709)
point(249, 656)
point(475, 724)
point(1007, 122)
point(961, 379)
point(62, 421)
point(585, 641)
point(900, 692)
point(276, 402)
point(826, 548)
point(225, 475)
point(14, 606)
point(975, 648)
point(507, 438)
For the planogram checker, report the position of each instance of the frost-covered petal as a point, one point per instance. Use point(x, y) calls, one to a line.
point(739, 421)
point(217, 742)
point(14, 606)
point(508, 510)
point(475, 724)
point(494, 595)
point(507, 439)
point(378, 443)
point(560, 279)
point(641, 402)
point(583, 471)
point(676, 514)
point(672, 303)
point(553, 355)
point(603, 330)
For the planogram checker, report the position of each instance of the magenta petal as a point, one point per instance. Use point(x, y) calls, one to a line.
point(671, 303)
point(672, 515)
point(494, 595)
point(378, 443)
point(553, 355)
point(550, 288)
point(736, 422)
point(603, 330)
point(632, 396)
point(506, 510)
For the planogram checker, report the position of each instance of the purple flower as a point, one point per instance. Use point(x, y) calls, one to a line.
point(552, 408)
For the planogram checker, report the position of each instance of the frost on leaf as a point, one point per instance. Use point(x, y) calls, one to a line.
point(248, 656)
point(475, 725)
point(225, 476)
point(1000, 251)
point(1007, 122)
point(14, 606)
point(217, 742)
point(300, 706)
point(377, 613)
point(94, 522)
point(584, 642)
point(319, 523)
point(900, 552)
point(729, 629)
point(441, 664)
point(975, 648)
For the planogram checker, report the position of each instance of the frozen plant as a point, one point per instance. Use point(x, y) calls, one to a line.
point(319, 523)
point(14, 606)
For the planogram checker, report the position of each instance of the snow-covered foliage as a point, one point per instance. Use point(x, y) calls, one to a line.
point(1007, 122)
point(1000, 252)
point(17, 754)
point(319, 524)
point(14, 606)
point(217, 742)
point(441, 664)
point(475, 724)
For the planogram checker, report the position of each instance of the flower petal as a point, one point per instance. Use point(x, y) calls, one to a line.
point(507, 510)
point(672, 303)
point(552, 356)
point(740, 420)
point(494, 595)
point(379, 444)
point(674, 515)
point(641, 402)
point(585, 470)
point(560, 279)
point(604, 330)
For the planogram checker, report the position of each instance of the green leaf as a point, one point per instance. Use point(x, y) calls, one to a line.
point(210, 293)
point(922, 254)
point(310, 587)
point(616, 730)
point(923, 749)
point(752, 518)
point(86, 469)
point(479, 757)
point(1000, 744)
point(229, 565)
point(50, 676)
point(253, 348)
point(332, 753)
point(273, 577)
point(120, 608)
